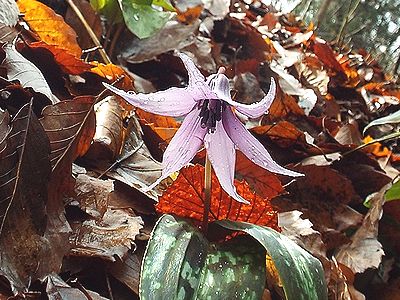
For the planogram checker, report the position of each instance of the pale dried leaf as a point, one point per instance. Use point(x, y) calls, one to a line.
point(300, 231)
point(290, 85)
point(9, 12)
point(218, 8)
point(365, 251)
point(339, 284)
point(173, 36)
point(109, 238)
point(21, 69)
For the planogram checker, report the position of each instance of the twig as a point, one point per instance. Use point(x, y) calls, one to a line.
point(207, 195)
point(120, 160)
point(114, 40)
point(92, 35)
point(110, 293)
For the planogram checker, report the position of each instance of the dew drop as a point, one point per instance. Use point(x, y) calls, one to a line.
point(136, 17)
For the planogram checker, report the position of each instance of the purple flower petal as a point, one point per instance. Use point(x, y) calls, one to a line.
point(221, 152)
point(197, 84)
point(256, 110)
point(250, 146)
point(171, 102)
point(219, 84)
point(183, 146)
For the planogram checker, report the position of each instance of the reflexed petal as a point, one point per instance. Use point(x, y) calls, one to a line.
point(183, 146)
point(221, 152)
point(250, 146)
point(220, 85)
point(171, 102)
point(197, 84)
point(256, 110)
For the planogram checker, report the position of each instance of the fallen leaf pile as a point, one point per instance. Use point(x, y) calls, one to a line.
point(75, 160)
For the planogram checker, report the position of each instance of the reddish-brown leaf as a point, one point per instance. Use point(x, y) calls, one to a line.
point(283, 106)
point(50, 27)
point(70, 126)
point(185, 198)
point(327, 56)
point(284, 133)
point(190, 15)
point(68, 62)
point(264, 183)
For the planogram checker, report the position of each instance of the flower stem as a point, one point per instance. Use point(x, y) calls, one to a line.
point(207, 194)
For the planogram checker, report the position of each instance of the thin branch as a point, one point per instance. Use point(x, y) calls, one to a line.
point(92, 35)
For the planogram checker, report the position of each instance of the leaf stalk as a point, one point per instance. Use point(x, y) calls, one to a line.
point(207, 194)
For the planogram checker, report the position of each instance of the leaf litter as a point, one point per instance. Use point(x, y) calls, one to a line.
point(325, 101)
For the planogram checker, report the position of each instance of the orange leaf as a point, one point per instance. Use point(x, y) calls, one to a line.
point(69, 63)
point(185, 198)
point(376, 149)
point(164, 127)
point(284, 133)
point(112, 72)
point(190, 15)
point(50, 27)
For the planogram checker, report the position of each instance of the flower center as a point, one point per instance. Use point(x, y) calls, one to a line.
point(211, 109)
point(211, 113)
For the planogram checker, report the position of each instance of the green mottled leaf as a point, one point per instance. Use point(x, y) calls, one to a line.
point(392, 118)
point(109, 8)
point(166, 4)
point(393, 193)
point(301, 274)
point(141, 19)
point(180, 263)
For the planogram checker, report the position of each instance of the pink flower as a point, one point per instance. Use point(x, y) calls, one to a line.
point(209, 120)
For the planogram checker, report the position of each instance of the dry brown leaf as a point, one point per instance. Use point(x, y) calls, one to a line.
point(341, 281)
point(109, 238)
point(365, 251)
point(24, 181)
point(127, 271)
point(164, 127)
point(57, 289)
point(21, 69)
point(92, 195)
point(70, 127)
point(135, 166)
point(283, 133)
point(7, 33)
point(50, 27)
point(264, 183)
